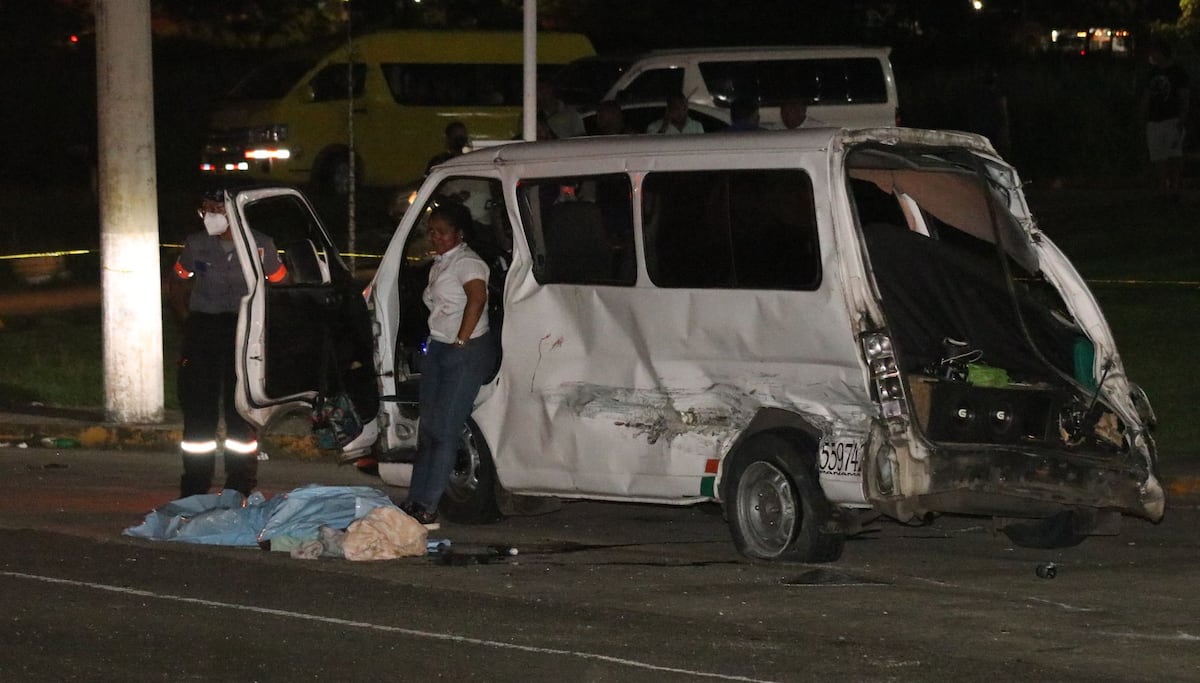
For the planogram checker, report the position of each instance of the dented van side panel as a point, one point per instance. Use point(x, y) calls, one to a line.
point(637, 393)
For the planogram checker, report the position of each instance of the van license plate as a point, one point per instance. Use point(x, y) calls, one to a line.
point(841, 458)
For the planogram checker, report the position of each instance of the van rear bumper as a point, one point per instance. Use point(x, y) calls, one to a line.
point(1019, 483)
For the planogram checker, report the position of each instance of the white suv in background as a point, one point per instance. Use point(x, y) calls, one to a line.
point(847, 86)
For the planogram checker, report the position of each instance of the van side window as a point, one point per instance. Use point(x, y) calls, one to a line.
point(454, 84)
point(857, 80)
point(301, 244)
point(654, 85)
point(330, 83)
point(738, 229)
point(580, 229)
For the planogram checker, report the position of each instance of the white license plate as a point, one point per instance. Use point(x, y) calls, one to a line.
point(841, 458)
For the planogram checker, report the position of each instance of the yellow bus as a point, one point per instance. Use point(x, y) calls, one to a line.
point(289, 121)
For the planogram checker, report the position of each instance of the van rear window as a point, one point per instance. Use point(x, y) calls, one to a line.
point(858, 80)
point(737, 229)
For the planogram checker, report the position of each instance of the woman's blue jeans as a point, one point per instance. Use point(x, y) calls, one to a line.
point(450, 381)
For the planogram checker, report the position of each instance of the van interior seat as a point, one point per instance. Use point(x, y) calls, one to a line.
point(302, 262)
point(577, 246)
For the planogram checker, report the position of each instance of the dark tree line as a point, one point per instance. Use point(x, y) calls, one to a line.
point(612, 24)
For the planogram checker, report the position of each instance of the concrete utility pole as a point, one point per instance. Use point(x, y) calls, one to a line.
point(529, 101)
point(130, 276)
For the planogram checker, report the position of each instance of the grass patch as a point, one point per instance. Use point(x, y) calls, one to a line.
point(57, 359)
point(1153, 326)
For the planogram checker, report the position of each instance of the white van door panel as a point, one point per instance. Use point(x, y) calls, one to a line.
point(283, 328)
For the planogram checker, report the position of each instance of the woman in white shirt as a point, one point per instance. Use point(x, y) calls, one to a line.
point(459, 357)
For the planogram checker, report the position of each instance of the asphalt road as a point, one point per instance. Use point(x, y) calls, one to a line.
point(599, 592)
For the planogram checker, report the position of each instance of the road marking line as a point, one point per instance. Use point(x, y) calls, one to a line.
point(1179, 635)
point(1069, 608)
point(381, 627)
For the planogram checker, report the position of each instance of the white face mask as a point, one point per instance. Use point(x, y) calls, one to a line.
point(215, 223)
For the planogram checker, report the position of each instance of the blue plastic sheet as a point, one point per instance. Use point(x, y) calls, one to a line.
point(228, 518)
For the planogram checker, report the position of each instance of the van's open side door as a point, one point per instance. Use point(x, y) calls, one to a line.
point(294, 335)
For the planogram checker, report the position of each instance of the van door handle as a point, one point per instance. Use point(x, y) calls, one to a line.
point(360, 110)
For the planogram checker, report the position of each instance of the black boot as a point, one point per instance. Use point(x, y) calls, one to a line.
point(197, 474)
point(241, 472)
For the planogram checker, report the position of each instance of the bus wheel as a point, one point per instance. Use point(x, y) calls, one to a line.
point(775, 507)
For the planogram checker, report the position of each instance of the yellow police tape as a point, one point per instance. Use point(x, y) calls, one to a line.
point(82, 252)
point(1100, 281)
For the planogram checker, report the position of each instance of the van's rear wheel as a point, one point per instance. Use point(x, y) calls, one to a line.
point(775, 507)
point(470, 497)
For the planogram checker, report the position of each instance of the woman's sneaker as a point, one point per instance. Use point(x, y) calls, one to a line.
point(362, 444)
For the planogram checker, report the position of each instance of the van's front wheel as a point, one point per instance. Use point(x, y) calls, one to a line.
point(333, 173)
point(775, 507)
point(470, 497)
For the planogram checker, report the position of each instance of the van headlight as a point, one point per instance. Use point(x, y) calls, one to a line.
point(885, 373)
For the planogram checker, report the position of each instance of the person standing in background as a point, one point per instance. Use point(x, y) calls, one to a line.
point(610, 120)
point(743, 115)
point(457, 141)
point(989, 112)
point(1165, 102)
point(675, 120)
point(793, 114)
point(563, 120)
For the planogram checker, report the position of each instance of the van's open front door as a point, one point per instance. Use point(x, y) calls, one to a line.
point(297, 336)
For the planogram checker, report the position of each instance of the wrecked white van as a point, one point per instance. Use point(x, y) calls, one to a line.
point(808, 327)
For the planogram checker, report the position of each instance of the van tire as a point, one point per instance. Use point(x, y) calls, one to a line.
point(470, 498)
point(775, 507)
point(333, 173)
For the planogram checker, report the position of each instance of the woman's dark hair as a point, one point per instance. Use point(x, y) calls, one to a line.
point(457, 215)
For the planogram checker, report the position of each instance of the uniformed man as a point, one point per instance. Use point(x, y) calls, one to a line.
point(207, 303)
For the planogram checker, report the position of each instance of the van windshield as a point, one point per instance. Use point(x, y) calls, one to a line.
point(270, 81)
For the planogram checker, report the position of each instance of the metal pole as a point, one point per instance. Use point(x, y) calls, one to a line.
point(529, 103)
point(352, 194)
point(129, 260)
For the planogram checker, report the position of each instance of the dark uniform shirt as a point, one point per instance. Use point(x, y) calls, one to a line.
point(212, 263)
